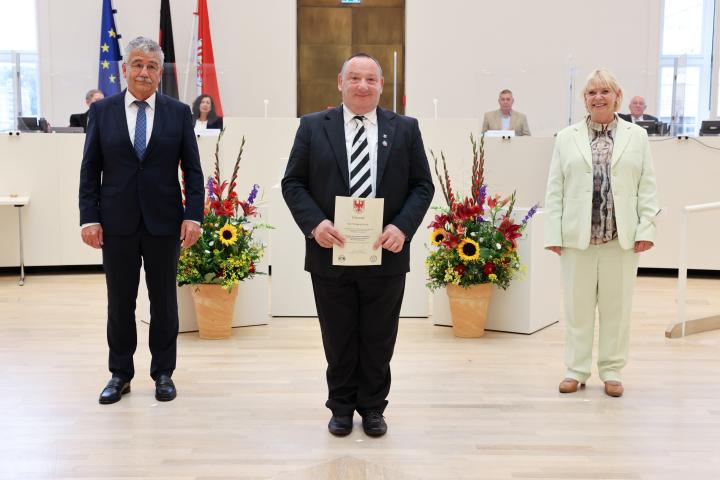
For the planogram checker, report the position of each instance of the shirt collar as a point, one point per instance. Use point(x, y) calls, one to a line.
point(130, 98)
point(348, 115)
point(506, 116)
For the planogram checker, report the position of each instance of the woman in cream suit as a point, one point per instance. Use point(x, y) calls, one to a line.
point(601, 209)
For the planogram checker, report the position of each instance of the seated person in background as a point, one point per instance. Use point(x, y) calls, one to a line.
point(637, 111)
point(80, 119)
point(506, 118)
point(203, 110)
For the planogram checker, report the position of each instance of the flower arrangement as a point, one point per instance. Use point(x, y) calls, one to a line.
point(475, 238)
point(226, 252)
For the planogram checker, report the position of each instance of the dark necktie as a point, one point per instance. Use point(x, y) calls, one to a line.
point(360, 178)
point(140, 129)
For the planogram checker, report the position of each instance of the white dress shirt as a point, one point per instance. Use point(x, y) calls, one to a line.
point(371, 128)
point(131, 111)
point(505, 120)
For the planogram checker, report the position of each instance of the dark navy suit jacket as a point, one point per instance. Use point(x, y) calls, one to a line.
point(317, 172)
point(118, 189)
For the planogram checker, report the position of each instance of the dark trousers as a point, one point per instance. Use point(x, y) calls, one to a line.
point(359, 324)
point(122, 255)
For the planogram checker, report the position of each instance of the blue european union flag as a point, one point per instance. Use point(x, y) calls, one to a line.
point(109, 68)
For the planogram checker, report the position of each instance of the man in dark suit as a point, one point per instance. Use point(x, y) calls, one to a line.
point(637, 111)
point(81, 119)
point(358, 150)
point(131, 207)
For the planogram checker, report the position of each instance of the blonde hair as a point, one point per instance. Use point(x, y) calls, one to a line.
point(606, 79)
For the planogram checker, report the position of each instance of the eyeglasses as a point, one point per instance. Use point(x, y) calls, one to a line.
point(151, 68)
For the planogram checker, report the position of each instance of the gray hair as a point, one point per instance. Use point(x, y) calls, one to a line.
point(91, 93)
point(362, 55)
point(146, 45)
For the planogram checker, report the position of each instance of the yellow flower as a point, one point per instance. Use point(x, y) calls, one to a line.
point(469, 250)
point(228, 234)
point(437, 236)
point(492, 277)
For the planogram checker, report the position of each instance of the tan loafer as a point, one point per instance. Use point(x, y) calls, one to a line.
point(614, 389)
point(570, 385)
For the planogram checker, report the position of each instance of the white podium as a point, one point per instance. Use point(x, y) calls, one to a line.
point(251, 306)
point(532, 302)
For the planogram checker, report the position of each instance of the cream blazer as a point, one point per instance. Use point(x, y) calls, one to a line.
point(518, 122)
point(568, 198)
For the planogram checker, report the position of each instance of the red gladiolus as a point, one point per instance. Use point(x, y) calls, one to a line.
point(488, 268)
point(252, 267)
point(440, 221)
point(460, 269)
point(510, 231)
point(248, 210)
point(451, 241)
point(467, 210)
point(492, 201)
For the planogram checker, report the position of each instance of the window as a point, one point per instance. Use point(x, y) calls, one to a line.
point(19, 85)
point(686, 62)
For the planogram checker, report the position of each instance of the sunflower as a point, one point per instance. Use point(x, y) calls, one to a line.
point(469, 250)
point(228, 234)
point(438, 235)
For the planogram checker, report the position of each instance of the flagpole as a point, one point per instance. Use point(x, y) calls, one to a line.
point(191, 55)
point(123, 84)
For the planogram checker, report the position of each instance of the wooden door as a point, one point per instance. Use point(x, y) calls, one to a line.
point(329, 32)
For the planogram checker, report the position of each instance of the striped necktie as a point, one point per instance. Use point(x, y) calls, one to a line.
point(360, 178)
point(140, 143)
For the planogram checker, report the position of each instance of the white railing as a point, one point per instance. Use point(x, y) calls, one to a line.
point(682, 261)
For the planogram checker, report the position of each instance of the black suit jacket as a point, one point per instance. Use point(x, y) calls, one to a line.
point(118, 189)
point(79, 120)
point(628, 117)
point(317, 172)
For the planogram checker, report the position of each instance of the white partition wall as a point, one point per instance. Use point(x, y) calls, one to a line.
point(532, 301)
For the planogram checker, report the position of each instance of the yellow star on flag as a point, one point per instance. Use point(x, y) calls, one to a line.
point(112, 33)
point(105, 47)
point(105, 64)
point(112, 78)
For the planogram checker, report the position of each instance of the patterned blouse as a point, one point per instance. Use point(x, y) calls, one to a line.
point(602, 228)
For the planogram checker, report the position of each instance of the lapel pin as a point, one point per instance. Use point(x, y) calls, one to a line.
point(384, 143)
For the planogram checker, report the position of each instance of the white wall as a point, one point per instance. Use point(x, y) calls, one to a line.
point(462, 52)
point(253, 42)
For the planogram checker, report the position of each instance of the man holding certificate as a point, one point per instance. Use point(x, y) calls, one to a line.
point(358, 185)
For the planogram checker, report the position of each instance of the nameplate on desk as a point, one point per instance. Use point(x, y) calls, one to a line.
point(500, 133)
point(207, 132)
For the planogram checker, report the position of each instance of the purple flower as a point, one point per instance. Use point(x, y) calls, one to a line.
point(482, 193)
point(211, 188)
point(529, 214)
point(253, 194)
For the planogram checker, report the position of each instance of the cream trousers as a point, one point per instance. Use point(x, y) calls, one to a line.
point(602, 277)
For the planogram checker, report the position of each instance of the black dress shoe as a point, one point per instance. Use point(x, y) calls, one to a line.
point(115, 389)
point(164, 388)
point(374, 424)
point(340, 425)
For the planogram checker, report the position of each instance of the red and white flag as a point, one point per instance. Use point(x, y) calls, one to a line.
point(206, 78)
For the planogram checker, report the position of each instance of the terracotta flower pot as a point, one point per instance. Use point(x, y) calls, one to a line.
point(468, 308)
point(214, 307)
